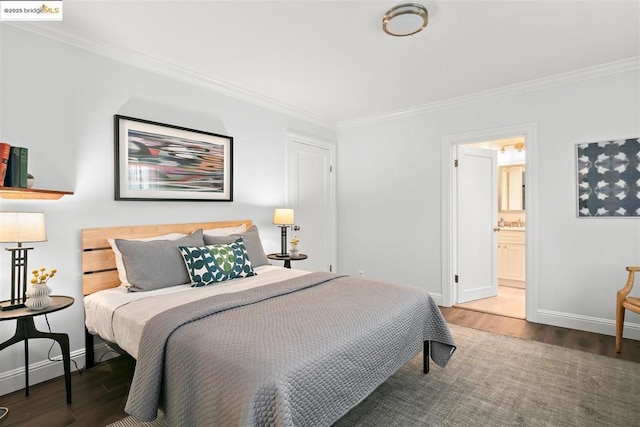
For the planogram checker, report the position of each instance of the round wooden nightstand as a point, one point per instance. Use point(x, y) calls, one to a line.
point(287, 258)
point(26, 328)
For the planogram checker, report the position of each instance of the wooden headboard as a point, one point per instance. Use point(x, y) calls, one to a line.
point(98, 260)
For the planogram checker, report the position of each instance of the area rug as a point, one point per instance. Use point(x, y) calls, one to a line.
point(495, 380)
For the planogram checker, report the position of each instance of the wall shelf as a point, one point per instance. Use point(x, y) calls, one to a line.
point(31, 193)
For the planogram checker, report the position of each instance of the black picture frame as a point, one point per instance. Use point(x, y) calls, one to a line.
point(158, 161)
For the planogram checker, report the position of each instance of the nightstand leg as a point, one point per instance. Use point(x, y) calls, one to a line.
point(26, 361)
point(25, 329)
point(63, 340)
point(287, 263)
point(20, 335)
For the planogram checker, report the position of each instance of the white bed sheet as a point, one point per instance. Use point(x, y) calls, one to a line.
point(119, 316)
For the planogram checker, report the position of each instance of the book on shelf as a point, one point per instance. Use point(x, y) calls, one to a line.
point(5, 149)
point(16, 174)
point(12, 178)
point(24, 157)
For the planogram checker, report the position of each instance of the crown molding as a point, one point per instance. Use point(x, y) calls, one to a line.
point(140, 60)
point(628, 64)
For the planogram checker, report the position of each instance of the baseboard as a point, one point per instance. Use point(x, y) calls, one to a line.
point(45, 370)
point(511, 283)
point(437, 298)
point(587, 323)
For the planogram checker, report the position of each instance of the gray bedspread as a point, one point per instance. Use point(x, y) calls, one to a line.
point(300, 352)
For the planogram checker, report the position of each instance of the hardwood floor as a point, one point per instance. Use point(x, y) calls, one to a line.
point(509, 302)
point(99, 394)
point(520, 328)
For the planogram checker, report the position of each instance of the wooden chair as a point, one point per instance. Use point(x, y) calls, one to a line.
point(625, 302)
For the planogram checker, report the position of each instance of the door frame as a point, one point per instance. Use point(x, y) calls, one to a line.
point(449, 208)
point(295, 137)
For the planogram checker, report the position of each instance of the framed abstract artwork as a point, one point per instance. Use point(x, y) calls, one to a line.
point(609, 178)
point(156, 161)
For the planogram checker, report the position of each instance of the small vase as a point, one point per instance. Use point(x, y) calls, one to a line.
point(38, 297)
point(294, 251)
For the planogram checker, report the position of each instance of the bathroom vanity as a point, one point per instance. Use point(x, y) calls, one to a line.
point(511, 256)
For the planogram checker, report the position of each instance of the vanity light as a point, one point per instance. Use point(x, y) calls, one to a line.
point(405, 19)
point(519, 146)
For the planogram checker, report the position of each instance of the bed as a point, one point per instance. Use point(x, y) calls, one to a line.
point(272, 346)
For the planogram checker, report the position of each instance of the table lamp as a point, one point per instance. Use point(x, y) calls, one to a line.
point(20, 227)
point(283, 218)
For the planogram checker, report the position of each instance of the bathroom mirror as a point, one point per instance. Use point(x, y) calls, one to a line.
point(511, 187)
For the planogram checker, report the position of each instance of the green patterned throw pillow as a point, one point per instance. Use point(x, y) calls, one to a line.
point(216, 263)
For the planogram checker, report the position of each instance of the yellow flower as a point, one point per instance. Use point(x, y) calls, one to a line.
point(41, 277)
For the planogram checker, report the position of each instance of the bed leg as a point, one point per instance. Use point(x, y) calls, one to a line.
point(88, 351)
point(426, 352)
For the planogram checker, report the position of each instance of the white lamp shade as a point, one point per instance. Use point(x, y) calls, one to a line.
point(22, 227)
point(283, 217)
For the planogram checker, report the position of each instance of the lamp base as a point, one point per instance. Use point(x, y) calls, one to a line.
point(6, 305)
point(283, 241)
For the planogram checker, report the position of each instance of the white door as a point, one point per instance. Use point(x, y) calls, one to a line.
point(477, 212)
point(312, 198)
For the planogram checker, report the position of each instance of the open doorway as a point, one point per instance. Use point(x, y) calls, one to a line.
point(510, 229)
point(518, 282)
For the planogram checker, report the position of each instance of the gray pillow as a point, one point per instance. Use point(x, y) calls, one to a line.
point(158, 263)
point(252, 244)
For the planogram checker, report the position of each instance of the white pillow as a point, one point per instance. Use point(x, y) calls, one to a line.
point(122, 273)
point(225, 231)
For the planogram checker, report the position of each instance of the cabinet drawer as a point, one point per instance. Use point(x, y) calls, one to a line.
point(516, 237)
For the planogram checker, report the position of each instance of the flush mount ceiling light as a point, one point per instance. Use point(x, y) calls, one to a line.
point(405, 19)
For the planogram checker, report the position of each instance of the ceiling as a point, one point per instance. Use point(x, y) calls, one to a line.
point(331, 60)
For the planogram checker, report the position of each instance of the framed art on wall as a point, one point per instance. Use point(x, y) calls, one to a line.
point(156, 161)
point(609, 178)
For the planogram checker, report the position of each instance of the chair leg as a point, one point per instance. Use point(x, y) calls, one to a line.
point(619, 327)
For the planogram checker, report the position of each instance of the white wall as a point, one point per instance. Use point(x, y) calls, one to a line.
point(389, 196)
point(59, 101)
